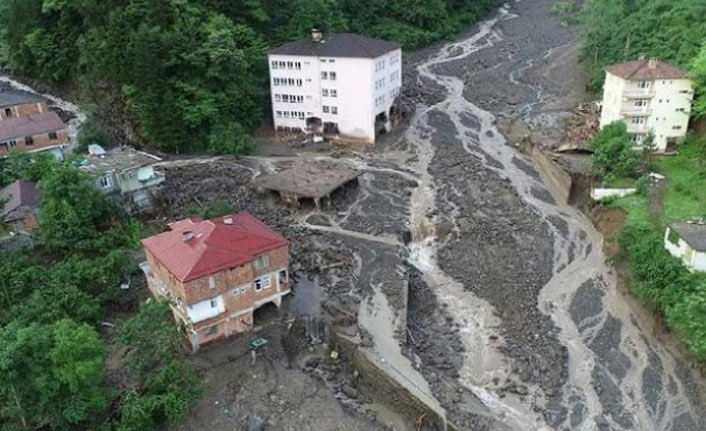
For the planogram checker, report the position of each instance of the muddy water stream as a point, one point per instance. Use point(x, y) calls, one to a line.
point(620, 377)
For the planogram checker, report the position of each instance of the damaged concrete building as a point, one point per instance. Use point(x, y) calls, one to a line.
point(308, 182)
point(126, 175)
point(217, 272)
point(342, 85)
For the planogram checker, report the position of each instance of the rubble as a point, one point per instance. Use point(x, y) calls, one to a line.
point(580, 128)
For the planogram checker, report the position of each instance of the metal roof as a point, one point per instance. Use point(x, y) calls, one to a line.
point(338, 45)
point(694, 233)
point(647, 70)
point(11, 97)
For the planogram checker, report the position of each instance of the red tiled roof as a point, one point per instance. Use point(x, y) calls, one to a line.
point(30, 125)
point(647, 70)
point(20, 193)
point(214, 245)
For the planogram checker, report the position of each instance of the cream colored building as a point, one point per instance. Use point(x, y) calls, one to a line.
point(341, 85)
point(649, 96)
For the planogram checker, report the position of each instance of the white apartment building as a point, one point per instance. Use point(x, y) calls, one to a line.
point(649, 96)
point(343, 85)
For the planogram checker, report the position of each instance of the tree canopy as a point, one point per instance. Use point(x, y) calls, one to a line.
point(622, 30)
point(191, 75)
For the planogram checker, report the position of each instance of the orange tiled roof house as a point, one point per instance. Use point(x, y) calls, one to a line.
point(217, 272)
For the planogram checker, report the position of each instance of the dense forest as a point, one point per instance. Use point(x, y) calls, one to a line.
point(192, 74)
point(620, 30)
point(58, 369)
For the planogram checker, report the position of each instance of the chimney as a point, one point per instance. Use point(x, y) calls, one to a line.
point(187, 235)
point(317, 35)
point(652, 64)
point(228, 220)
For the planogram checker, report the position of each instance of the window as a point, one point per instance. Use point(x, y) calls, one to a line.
point(298, 65)
point(13, 143)
point(262, 283)
point(331, 60)
point(290, 65)
point(301, 115)
point(29, 140)
point(213, 330)
point(281, 64)
point(286, 114)
point(324, 75)
point(278, 97)
point(681, 109)
point(275, 81)
point(641, 102)
point(214, 303)
point(290, 81)
point(106, 182)
point(274, 65)
point(332, 75)
point(636, 138)
point(8, 112)
point(262, 261)
point(638, 120)
point(282, 276)
point(279, 113)
point(643, 84)
point(334, 93)
point(300, 99)
point(324, 92)
point(323, 60)
point(334, 110)
point(285, 98)
point(299, 82)
point(676, 127)
point(211, 282)
point(326, 109)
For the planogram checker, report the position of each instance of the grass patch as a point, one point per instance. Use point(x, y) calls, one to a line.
point(686, 197)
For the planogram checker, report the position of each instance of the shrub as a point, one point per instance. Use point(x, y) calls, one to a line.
point(613, 153)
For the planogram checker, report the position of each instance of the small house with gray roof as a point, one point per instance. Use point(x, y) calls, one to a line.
point(686, 240)
point(127, 176)
point(341, 85)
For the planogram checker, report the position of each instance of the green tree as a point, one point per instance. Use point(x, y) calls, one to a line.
point(51, 375)
point(698, 75)
point(166, 386)
point(613, 153)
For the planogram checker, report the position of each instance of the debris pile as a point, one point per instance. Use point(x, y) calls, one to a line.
point(580, 128)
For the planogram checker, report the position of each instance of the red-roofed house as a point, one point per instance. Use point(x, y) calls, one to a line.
point(217, 272)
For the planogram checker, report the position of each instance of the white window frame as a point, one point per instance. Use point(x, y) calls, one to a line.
point(332, 76)
point(262, 283)
point(324, 92)
point(326, 109)
point(333, 93)
point(643, 85)
point(106, 182)
point(637, 120)
point(324, 75)
point(334, 110)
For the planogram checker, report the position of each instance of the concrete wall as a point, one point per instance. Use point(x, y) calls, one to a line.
point(602, 193)
point(557, 180)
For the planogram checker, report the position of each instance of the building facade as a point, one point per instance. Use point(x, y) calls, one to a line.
point(43, 132)
point(18, 103)
point(687, 241)
point(649, 96)
point(216, 273)
point(126, 175)
point(18, 206)
point(341, 85)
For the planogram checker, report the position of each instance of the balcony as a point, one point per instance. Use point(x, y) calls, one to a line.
point(637, 128)
point(639, 93)
point(636, 111)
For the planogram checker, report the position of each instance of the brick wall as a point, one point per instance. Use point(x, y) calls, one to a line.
point(24, 109)
point(40, 141)
point(227, 283)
